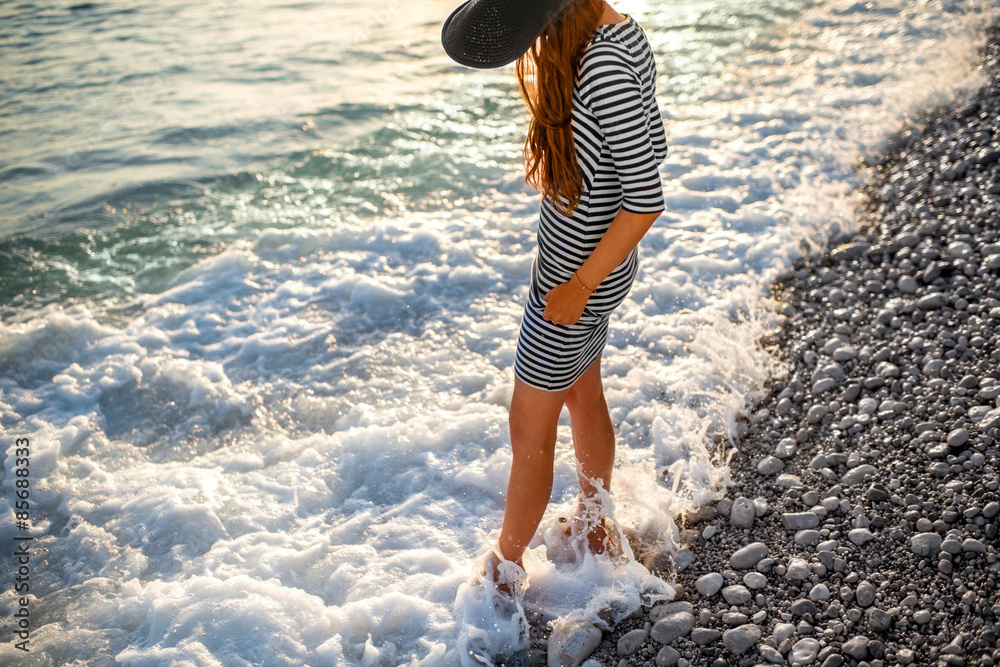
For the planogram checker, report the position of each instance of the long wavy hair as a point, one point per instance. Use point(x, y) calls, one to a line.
point(545, 76)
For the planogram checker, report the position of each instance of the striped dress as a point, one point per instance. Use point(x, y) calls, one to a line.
point(620, 142)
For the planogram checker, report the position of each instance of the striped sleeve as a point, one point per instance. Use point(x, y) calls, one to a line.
point(611, 88)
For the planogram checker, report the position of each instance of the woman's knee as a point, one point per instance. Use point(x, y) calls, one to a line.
point(585, 396)
point(533, 418)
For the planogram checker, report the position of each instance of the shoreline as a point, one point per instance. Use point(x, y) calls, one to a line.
point(866, 485)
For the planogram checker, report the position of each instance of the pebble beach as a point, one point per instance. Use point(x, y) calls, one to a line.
point(861, 530)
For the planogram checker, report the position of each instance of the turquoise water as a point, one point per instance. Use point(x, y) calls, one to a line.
point(142, 136)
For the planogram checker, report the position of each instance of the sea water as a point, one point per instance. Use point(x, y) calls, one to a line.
point(262, 266)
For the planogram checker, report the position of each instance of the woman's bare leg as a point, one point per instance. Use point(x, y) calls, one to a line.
point(593, 432)
point(534, 416)
point(593, 439)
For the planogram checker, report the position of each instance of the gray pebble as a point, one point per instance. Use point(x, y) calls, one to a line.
point(738, 640)
point(845, 353)
point(786, 448)
point(801, 607)
point(685, 558)
point(803, 652)
point(770, 465)
point(783, 631)
point(702, 636)
point(748, 556)
point(931, 301)
point(736, 594)
point(770, 654)
point(631, 641)
point(958, 437)
point(755, 581)
point(734, 618)
point(807, 537)
point(672, 627)
point(878, 619)
point(666, 609)
point(760, 506)
point(925, 544)
point(860, 536)
point(973, 545)
point(799, 520)
point(820, 386)
point(857, 475)
point(797, 570)
point(708, 584)
point(951, 546)
point(907, 285)
point(865, 594)
point(742, 513)
point(819, 593)
point(816, 414)
point(857, 647)
point(667, 657)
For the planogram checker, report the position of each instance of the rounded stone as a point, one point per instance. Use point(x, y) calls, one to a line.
point(907, 285)
point(925, 544)
point(878, 619)
point(803, 652)
point(708, 584)
point(865, 594)
point(802, 606)
point(798, 570)
point(816, 414)
point(760, 507)
point(631, 641)
point(742, 513)
point(958, 437)
point(667, 657)
point(672, 627)
point(747, 557)
point(860, 536)
point(770, 465)
point(807, 537)
point(755, 581)
point(844, 353)
point(736, 594)
point(739, 640)
point(857, 647)
point(819, 593)
point(973, 545)
point(786, 447)
point(823, 385)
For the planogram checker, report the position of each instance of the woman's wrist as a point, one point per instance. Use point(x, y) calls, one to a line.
point(582, 284)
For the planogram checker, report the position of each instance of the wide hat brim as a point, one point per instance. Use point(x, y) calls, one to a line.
point(492, 33)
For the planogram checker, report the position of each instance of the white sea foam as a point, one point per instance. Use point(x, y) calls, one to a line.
point(294, 453)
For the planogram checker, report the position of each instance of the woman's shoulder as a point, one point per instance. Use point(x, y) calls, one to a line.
point(614, 46)
point(605, 60)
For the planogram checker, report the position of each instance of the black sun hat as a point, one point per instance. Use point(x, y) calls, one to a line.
point(492, 33)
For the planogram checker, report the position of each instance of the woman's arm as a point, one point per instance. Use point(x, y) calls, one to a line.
point(622, 236)
point(611, 88)
point(565, 303)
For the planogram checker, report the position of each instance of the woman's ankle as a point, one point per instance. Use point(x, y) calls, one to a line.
point(508, 576)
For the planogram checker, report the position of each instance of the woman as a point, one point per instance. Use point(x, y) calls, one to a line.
point(595, 140)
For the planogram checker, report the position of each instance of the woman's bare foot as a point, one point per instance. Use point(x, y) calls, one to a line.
point(589, 519)
point(508, 577)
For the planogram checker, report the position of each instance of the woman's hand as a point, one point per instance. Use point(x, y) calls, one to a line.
point(565, 303)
